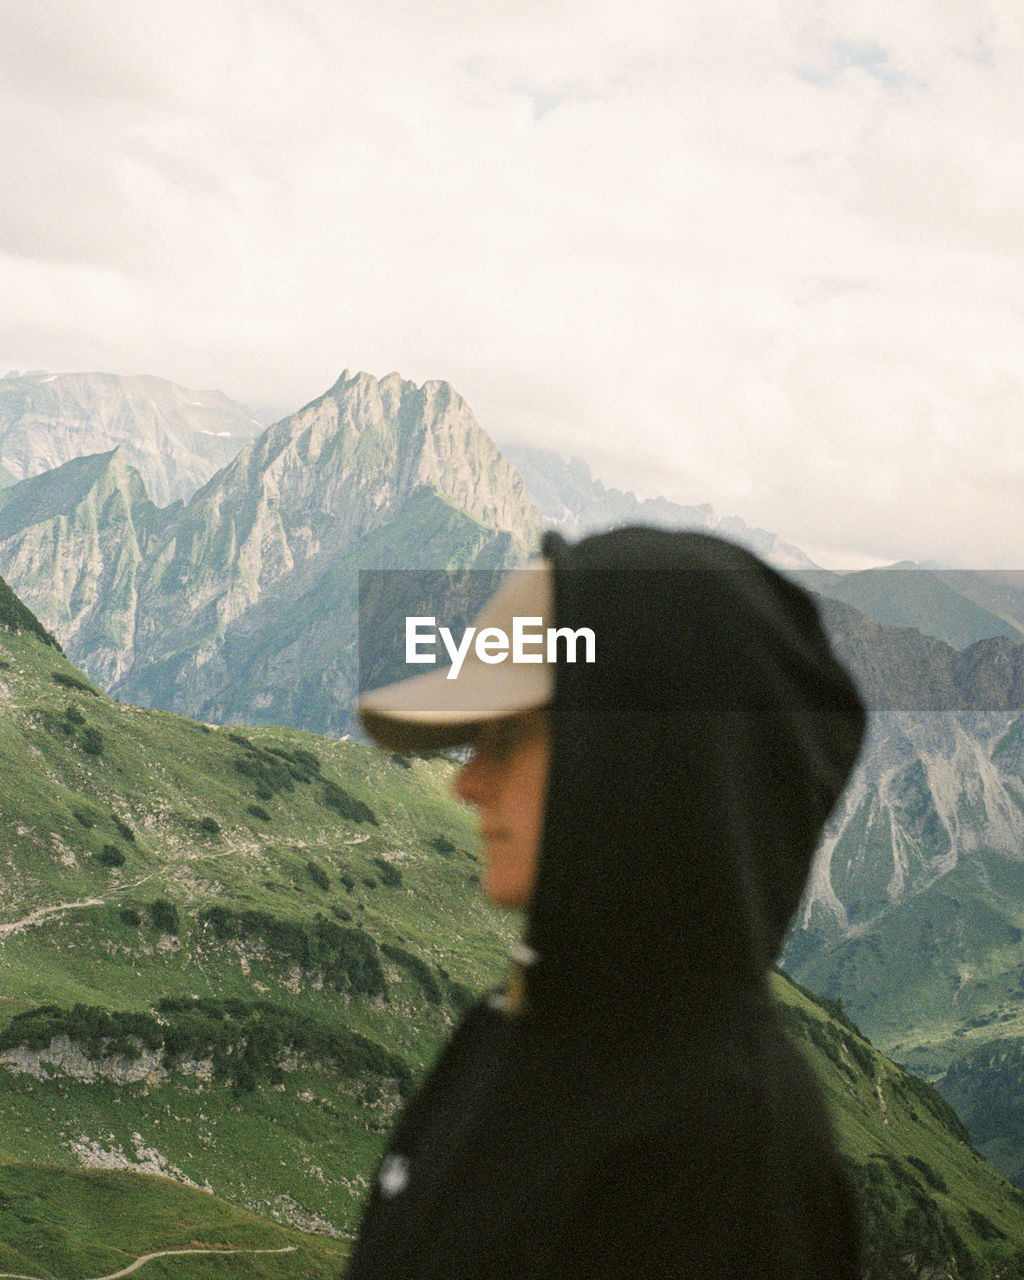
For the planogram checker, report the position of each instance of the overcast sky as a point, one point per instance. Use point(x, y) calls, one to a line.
point(763, 254)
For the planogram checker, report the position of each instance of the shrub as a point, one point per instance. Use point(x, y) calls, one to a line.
point(163, 915)
point(348, 882)
point(337, 798)
point(984, 1226)
point(244, 1040)
point(73, 715)
point(318, 875)
point(258, 811)
point(130, 917)
point(442, 845)
point(307, 759)
point(111, 856)
point(934, 1179)
point(418, 968)
point(347, 957)
point(72, 682)
point(209, 826)
point(92, 741)
point(84, 817)
point(124, 830)
point(389, 873)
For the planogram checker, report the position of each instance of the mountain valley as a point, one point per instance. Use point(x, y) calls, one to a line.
point(227, 956)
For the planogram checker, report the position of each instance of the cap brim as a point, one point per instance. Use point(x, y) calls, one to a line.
point(431, 712)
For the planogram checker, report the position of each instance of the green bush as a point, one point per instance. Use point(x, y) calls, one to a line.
point(418, 968)
point(209, 826)
point(72, 682)
point(92, 741)
point(347, 806)
point(347, 957)
point(243, 1040)
point(163, 915)
point(124, 830)
point(73, 715)
point(111, 856)
point(318, 875)
point(389, 873)
point(258, 811)
point(130, 917)
point(934, 1179)
point(85, 818)
point(984, 1227)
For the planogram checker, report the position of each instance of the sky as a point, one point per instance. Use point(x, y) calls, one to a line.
point(766, 254)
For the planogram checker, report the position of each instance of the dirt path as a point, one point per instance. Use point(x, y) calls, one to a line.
point(44, 913)
point(148, 1257)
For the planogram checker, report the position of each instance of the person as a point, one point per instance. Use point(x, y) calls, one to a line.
point(629, 1108)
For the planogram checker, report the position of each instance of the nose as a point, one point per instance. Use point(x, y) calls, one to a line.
point(471, 783)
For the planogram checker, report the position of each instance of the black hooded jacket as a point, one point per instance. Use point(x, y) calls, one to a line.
point(642, 1116)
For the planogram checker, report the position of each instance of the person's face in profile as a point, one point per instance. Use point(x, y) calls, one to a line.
point(506, 781)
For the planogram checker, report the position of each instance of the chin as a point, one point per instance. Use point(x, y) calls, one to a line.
point(509, 896)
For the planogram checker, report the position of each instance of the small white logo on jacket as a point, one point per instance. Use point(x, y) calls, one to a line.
point(394, 1176)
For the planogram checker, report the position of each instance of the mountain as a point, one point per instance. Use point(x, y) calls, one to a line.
point(75, 540)
point(241, 605)
point(572, 501)
point(956, 606)
point(914, 916)
point(176, 438)
point(227, 956)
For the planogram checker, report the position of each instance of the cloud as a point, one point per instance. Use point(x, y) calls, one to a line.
point(764, 255)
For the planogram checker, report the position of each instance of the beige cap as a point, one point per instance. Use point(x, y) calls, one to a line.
point(431, 711)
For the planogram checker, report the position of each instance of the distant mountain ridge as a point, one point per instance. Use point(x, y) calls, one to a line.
point(572, 501)
point(175, 437)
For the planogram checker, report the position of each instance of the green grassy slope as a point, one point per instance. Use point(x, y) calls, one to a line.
point(63, 1224)
point(930, 1203)
point(328, 891)
point(226, 955)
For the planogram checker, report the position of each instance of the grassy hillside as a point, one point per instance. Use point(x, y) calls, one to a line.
point(931, 1205)
point(296, 920)
point(225, 958)
point(63, 1224)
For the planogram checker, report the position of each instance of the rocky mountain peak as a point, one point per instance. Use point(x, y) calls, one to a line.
point(349, 461)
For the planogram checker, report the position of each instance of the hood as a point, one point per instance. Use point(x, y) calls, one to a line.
point(693, 766)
